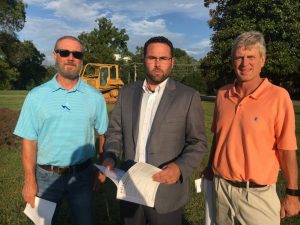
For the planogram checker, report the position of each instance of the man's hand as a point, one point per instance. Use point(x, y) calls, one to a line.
point(29, 192)
point(170, 174)
point(290, 206)
point(101, 178)
point(109, 163)
point(207, 173)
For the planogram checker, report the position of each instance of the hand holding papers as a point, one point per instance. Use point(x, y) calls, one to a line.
point(135, 185)
point(115, 175)
point(42, 213)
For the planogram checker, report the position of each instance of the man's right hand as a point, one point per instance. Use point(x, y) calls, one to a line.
point(29, 192)
point(109, 164)
point(100, 177)
point(207, 173)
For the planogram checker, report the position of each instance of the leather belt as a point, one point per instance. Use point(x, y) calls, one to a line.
point(66, 169)
point(243, 184)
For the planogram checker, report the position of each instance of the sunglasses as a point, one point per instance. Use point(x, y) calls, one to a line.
point(66, 53)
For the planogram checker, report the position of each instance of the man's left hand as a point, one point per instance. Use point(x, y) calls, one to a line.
point(289, 206)
point(170, 174)
point(99, 179)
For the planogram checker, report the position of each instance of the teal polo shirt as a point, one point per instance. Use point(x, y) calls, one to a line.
point(63, 122)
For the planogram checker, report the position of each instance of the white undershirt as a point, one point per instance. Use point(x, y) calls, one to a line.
point(150, 102)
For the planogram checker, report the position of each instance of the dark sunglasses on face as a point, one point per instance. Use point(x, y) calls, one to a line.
point(66, 53)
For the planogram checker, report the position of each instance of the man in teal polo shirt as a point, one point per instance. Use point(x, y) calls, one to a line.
point(57, 124)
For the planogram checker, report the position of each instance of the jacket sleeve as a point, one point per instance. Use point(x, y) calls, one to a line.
point(114, 135)
point(195, 140)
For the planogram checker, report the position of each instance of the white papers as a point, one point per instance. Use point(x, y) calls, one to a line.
point(42, 213)
point(198, 185)
point(115, 175)
point(136, 185)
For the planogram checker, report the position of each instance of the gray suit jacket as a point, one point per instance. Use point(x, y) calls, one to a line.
point(177, 135)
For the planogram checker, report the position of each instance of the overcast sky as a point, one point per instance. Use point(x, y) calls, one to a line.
point(184, 22)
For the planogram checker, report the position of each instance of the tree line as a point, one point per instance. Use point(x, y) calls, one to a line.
point(21, 63)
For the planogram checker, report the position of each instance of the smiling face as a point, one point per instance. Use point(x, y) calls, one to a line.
point(158, 63)
point(69, 66)
point(247, 63)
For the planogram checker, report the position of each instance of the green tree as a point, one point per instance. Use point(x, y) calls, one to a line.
point(187, 70)
point(278, 20)
point(7, 75)
point(12, 15)
point(21, 63)
point(103, 42)
point(12, 18)
point(28, 60)
point(51, 70)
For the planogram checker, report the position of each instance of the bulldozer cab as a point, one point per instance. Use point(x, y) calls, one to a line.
point(104, 77)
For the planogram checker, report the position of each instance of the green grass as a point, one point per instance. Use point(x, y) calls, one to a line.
point(12, 99)
point(106, 207)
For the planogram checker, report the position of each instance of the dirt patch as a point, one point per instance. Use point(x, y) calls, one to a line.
point(8, 120)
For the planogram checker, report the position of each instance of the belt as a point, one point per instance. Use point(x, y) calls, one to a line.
point(66, 169)
point(243, 184)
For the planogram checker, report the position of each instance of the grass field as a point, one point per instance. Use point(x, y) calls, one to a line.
point(106, 207)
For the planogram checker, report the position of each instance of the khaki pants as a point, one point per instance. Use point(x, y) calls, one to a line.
point(245, 206)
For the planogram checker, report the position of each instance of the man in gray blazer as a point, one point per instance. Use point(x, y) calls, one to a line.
point(158, 121)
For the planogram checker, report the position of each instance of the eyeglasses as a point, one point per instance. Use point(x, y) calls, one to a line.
point(66, 53)
point(153, 59)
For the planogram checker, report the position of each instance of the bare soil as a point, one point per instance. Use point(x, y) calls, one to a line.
point(8, 120)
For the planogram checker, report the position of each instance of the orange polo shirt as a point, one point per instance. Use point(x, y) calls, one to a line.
point(249, 134)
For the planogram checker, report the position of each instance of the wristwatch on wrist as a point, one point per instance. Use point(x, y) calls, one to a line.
point(293, 192)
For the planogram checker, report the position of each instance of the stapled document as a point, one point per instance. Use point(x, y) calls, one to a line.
point(135, 185)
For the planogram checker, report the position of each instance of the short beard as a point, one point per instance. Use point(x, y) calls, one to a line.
point(153, 80)
point(68, 75)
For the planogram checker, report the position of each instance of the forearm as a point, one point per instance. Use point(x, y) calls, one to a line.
point(101, 144)
point(212, 152)
point(288, 162)
point(289, 165)
point(29, 150)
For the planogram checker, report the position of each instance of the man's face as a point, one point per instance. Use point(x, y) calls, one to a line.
point(247, 63)
point(158, 62)
point(68, 66)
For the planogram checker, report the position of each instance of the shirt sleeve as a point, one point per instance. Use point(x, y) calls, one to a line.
point(101, 122)
point(27, 125)
point(285, 125)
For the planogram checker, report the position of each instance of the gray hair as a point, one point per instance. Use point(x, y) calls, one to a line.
point(249, 39)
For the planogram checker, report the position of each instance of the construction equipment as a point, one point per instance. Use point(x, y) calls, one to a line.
point(105, 78)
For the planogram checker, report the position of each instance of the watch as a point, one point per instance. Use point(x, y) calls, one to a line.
point(293, 192)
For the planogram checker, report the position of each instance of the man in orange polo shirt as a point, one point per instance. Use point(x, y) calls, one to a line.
point(254, 135)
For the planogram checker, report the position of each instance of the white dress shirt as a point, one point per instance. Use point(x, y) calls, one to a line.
point(150, 102)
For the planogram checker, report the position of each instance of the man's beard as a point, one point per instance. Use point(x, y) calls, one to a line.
point(69, 74)
point(158, 79)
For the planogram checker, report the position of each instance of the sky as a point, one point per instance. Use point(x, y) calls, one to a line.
point(184, 22)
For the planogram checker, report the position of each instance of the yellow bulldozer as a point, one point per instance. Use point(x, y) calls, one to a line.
point(105, 78)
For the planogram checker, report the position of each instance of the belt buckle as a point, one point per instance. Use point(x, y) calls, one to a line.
point(62, 170)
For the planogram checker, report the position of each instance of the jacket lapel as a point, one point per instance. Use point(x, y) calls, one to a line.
point(164, 105)
point(136, 107)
